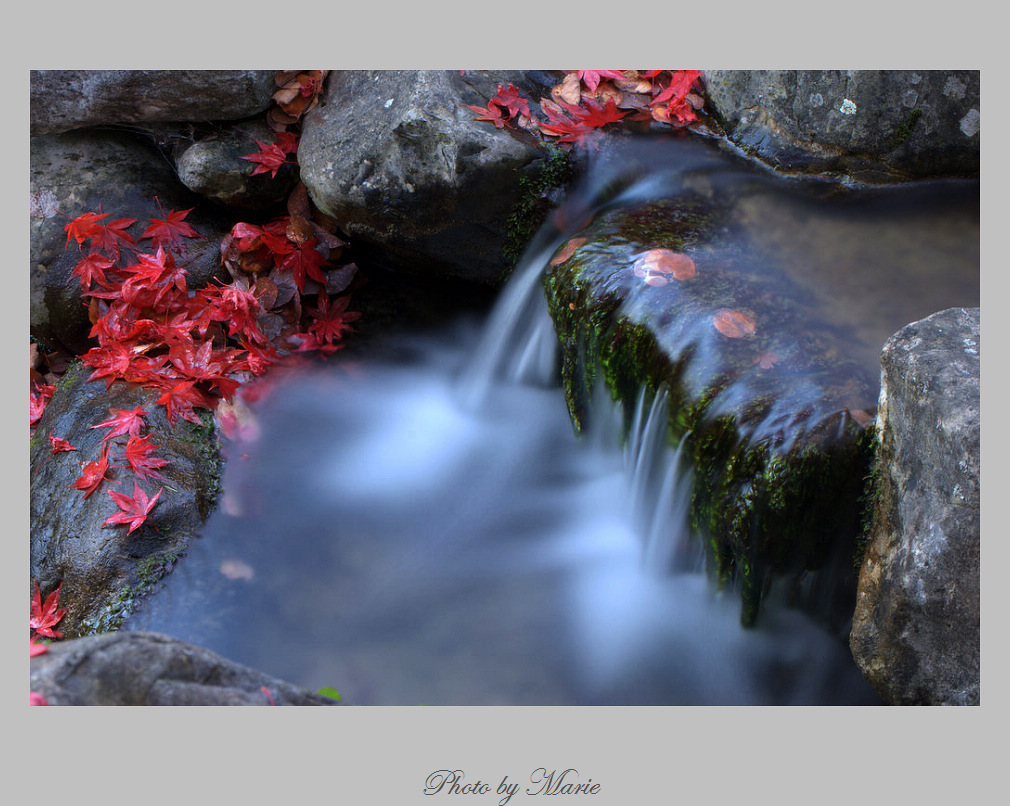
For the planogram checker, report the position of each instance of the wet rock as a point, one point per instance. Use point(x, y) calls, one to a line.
point(214, 168)
point(147, 668)
point(105, 569)
point(62, 100)
point(397, 159)
point(665, 294)
point(915, 633)
point(870, 125)
point(113, 172)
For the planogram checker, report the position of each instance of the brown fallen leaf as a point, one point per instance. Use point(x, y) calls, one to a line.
point(569, 90)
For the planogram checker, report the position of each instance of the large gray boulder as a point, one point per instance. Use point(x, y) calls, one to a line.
point(146, 668)
point(915, 632)
point(62, 100)
point(870, 125)
point(399, 161)
point(104, 570)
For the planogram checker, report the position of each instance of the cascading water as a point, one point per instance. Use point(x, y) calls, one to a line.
point(427, 529)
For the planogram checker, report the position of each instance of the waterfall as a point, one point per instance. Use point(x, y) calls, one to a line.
point(430, 529)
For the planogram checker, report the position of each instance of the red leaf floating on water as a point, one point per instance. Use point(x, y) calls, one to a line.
point(734, 324)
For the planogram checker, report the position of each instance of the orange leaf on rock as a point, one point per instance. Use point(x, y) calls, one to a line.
point(567, 251)
point(665, 261)
point(734, 324)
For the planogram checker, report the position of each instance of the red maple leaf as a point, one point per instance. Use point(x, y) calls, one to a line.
point(35, 648)
point(508, 97)
point(110, 361)
point(137, 454)
point(60, 444)
point(108, 237)
point(83, 227)
point(269, 158)
point(580, 120)
point(45, 616)
point(680, 85)
point(492, 113)
point(123, 421)
point(330, 321)
point(135, 509)
point(92, 269)
point(305, 260)
point(170, 230)
point(287, 141)
point(179, 400)
point(93, 473)
point(37, 401)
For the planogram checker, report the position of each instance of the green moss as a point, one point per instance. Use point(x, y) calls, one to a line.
point(532, 208)
point(149, 571)
point(204, 439)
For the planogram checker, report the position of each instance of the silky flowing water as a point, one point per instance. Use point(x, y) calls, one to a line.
point(423, 526)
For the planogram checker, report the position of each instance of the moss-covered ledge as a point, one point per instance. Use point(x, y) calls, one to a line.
point(772, 415)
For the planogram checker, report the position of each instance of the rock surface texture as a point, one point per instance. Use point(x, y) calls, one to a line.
point(870, 125)
point(145, 668)
point(104, 569)
point(397, 159)
point(916, 628)
point(62, 100)
point(125, 178)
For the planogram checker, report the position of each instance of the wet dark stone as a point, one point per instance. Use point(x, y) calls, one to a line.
point(213, 167)
point(397, 159)
point(868, 125)
point(62, 100)
point(117, 174)
point(103, 569)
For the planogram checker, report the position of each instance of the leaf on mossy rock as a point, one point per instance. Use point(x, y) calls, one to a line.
point(658, 266)
point(567, 251)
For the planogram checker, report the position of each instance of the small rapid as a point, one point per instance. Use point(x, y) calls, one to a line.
point(424, 527)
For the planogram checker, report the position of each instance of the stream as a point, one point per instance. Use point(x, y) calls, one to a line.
point(424, 527)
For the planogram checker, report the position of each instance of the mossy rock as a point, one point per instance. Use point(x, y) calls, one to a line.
point(771, 409)
point(103, 569)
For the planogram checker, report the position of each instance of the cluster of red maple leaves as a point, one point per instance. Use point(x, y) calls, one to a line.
point(586, 100)
point(193, 347)
point(196, 347)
